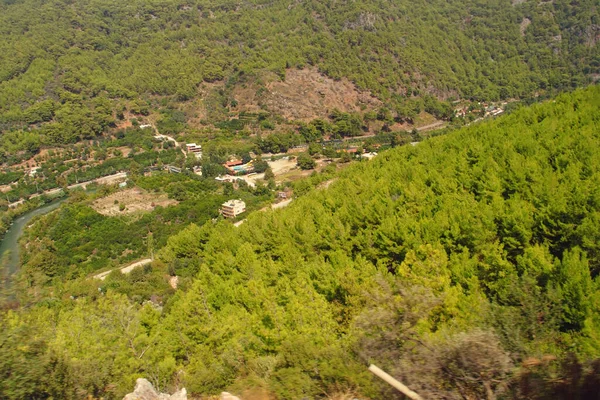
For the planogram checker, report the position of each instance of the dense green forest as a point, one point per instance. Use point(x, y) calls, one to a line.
point(78, 240)
point(71, 69)
point(467, 266)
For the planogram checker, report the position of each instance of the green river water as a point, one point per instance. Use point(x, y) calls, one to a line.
point(9, 247)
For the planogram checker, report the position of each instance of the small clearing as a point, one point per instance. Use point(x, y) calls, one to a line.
point(279, 167)
point(282, 165)
point(304, 94)
point(125, 150)
point(307, 94)
point(133, 200)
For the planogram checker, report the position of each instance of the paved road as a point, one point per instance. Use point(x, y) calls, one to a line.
point(103, 180)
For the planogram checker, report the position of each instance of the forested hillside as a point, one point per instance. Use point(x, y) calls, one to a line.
point(467, 266)
point(73, 68)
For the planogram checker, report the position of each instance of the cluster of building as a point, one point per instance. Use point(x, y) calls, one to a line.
point(493, 111)
point(485, 108)
point(229, 178)
point(172, 169)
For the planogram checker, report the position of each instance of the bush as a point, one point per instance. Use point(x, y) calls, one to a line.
point(305, 161)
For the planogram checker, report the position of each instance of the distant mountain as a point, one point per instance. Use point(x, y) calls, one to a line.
point(72, 66)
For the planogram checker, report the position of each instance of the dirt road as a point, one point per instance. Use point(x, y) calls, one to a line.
point(124, 270)
point(169, 138)
point(281, 204)
point(429, 127)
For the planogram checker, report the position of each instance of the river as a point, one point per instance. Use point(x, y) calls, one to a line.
point(9, 247)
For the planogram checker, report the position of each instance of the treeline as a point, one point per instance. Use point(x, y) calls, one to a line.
point(466, 266)
point(76, 70)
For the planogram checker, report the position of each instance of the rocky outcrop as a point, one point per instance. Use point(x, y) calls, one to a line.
point(145, 391)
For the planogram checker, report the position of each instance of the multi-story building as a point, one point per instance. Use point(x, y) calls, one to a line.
point(194, 148)
point(233, 208)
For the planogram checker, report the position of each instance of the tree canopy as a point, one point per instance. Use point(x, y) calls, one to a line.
point(473, 252)
point(69, 67)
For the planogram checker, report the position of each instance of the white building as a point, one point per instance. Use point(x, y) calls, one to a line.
point(194, 148)
point(233, 208)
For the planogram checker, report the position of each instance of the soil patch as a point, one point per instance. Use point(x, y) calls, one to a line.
point(304, 95)
point(133, 200)
point(282, 165)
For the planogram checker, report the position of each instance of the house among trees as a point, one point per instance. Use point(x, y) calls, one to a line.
point(232, 163)
point(173, 169)
point(285, 194)
point(236, 167)
point(233, 208)
point(194, 148)
point(350, 150)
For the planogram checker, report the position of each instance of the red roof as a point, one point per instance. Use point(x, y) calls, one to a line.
point(233, 163)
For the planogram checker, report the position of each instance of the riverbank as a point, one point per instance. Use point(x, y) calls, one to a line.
point(7, 217)
point(9, 246)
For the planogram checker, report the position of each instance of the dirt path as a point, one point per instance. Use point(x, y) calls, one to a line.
point(281, 204)
point(169, 138)
point(124, 270)
point(326, 184)
point(104, 180)
point(431, 126)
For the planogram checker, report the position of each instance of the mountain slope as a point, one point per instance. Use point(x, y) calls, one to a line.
point(466, 266)
point(493, 227)
point(76, 64)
